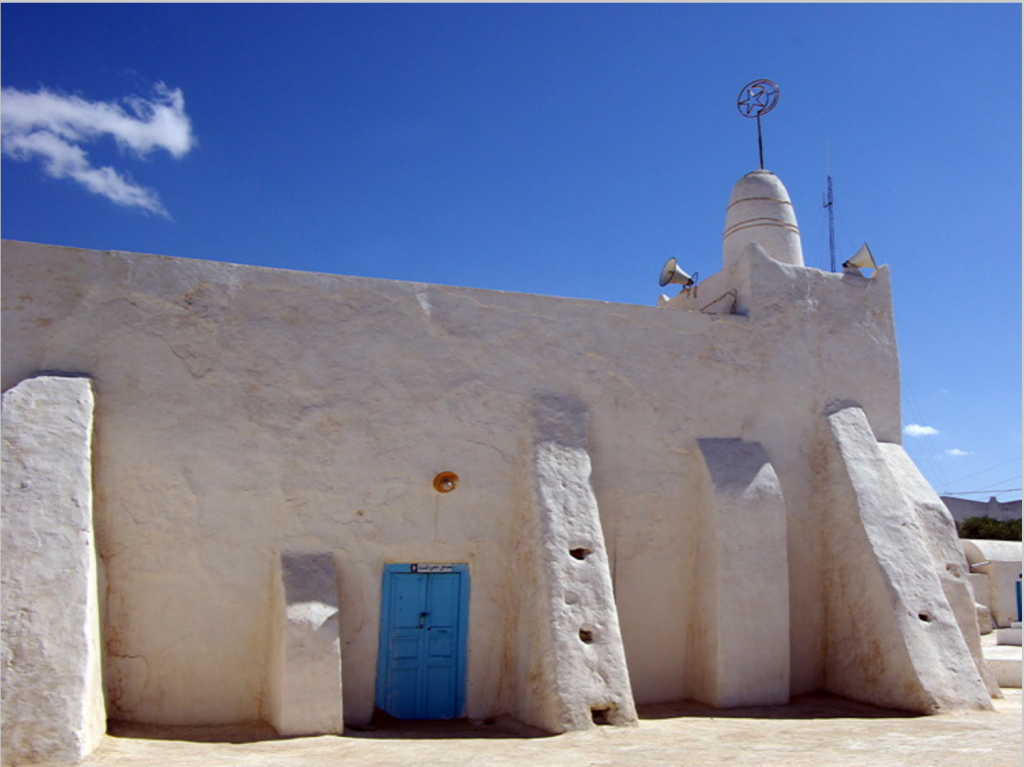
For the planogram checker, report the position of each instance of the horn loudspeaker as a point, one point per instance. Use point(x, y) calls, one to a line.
point(862, 259)
point(671, 274)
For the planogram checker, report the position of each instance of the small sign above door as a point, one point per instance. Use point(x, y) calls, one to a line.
point(430, 568)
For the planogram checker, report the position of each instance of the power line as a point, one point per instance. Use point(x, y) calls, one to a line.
point(991, 489)
point(1008, 479)
point(984, 492)
point(968, 476)
point(929, 460)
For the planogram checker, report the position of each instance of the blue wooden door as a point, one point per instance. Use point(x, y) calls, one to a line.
point(422, 656)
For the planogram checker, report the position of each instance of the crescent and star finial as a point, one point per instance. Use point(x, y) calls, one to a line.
point(757, 98)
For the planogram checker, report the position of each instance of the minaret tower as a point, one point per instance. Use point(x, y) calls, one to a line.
point(760, 210)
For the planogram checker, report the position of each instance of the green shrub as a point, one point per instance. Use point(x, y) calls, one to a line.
point(988, 529)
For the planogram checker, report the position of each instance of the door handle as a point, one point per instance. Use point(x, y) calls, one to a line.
point(423, 619)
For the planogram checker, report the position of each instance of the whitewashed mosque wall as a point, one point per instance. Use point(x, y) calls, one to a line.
point(246, 415)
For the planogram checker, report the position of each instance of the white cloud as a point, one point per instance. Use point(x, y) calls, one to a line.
point(956, 452)
point(916, 430)
point(53, 127)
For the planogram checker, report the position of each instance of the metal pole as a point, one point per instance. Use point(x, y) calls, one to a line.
point(756, 99)
point(760, 147)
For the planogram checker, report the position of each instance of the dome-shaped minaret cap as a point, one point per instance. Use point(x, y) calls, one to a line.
point(760, 211)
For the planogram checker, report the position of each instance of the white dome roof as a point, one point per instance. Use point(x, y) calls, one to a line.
point(760, 211)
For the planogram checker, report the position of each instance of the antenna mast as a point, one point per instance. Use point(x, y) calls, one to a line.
point(831, 225)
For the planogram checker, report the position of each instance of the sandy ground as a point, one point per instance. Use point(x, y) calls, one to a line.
point(814, 731)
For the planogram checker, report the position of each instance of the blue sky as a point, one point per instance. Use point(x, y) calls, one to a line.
point(558, 149)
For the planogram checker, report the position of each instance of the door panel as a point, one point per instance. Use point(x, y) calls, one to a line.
point(407, 596)
point(440, 644)
point(443, 596)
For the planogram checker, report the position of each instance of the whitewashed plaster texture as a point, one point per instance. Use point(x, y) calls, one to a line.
point(893, 639)
point(742, 622)
point(576, 665)
point(304, 672)
point(946, 549)
point(290, 411)
point(244, 411)
point(760, 211)
point(52, 686)
point(818, 333)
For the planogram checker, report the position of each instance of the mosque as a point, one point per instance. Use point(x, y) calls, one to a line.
point(236, 494)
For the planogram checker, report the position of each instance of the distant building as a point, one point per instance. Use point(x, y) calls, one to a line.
point(994, 575)
point(963, 508)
